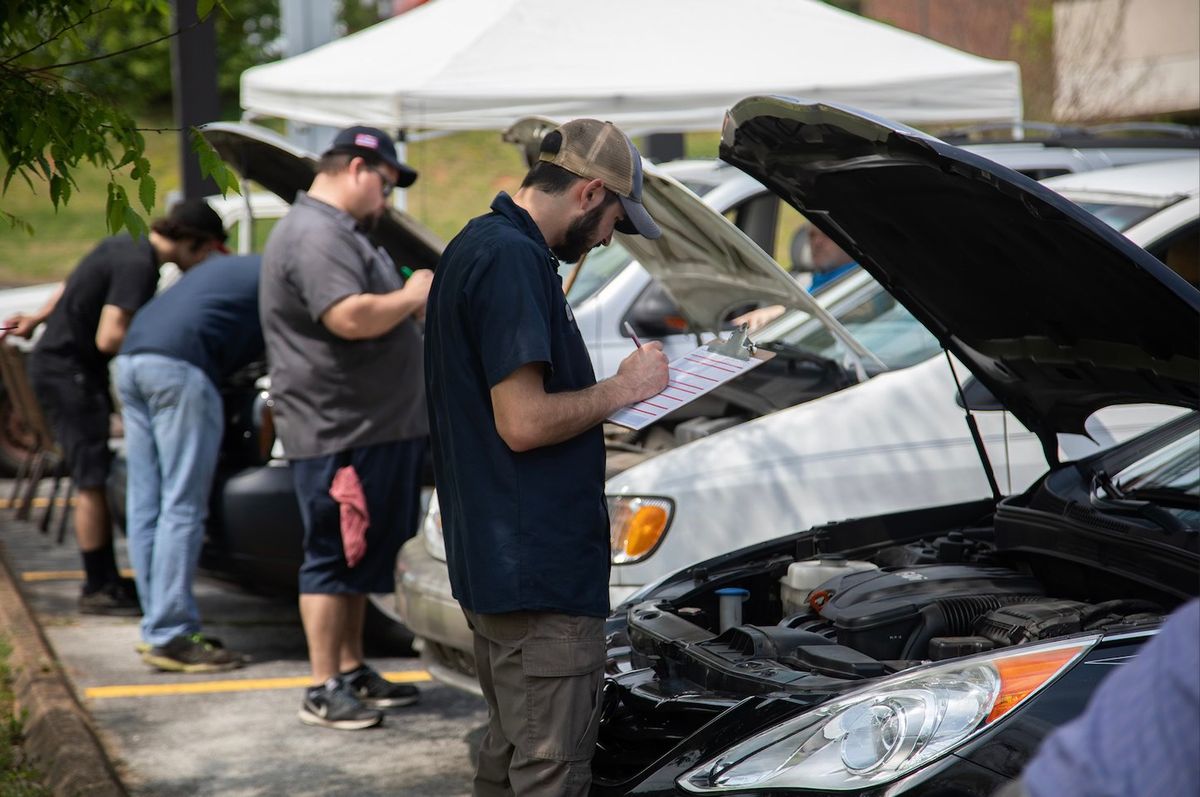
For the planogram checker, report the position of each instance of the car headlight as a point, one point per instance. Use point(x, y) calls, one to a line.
point(431, 530)
point(637, 525)
point(887, 730)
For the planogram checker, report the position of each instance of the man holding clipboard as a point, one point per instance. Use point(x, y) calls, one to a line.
point(515, 418)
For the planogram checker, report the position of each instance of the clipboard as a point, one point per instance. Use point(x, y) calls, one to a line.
point(693, 375)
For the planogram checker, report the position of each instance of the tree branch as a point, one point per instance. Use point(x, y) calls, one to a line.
point(164, 37)
point(57, 35)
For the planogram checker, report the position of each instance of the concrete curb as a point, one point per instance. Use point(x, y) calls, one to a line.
point(58, 731)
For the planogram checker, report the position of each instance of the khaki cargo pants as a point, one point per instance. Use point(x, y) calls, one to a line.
point(542, 676)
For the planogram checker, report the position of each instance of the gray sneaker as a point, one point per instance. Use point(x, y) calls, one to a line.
point(333, 705)
point(375, 691)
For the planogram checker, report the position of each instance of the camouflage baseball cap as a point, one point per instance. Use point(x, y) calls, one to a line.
point(600, 151)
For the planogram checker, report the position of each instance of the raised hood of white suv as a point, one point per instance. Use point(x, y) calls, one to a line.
point(710, 267)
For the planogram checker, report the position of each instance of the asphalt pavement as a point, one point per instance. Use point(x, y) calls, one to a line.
point(234, 733)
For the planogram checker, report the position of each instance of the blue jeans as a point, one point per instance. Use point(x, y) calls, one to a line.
point(173, 424)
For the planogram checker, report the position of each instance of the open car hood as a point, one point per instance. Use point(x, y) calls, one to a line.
point(707, 265)
point(258, 154)
point(712, 268)
point(1050, 308)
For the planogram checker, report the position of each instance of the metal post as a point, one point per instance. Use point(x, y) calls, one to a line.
point(306, 25)
point(662, 147)
point(194, 79)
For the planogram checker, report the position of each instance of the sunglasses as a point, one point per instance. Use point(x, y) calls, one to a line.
point(388, 185)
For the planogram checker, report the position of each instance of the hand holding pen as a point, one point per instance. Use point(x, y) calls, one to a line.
point(19, 325)
point(645, 370)
point(629, 331)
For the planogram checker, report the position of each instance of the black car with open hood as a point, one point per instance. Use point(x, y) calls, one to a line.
point(1054, 311)
point(881, 655)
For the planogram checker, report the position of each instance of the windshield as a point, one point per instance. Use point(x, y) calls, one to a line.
point(873, 317)
point(698, 187)
point(1170, 474)
point(1119, 217)
point(600, 266)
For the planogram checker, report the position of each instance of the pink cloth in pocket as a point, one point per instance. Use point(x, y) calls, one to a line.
point(348, 492)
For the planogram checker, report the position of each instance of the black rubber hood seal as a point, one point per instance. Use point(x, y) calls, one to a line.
point(1051, 309)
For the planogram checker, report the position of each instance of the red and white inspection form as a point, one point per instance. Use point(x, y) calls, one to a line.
point(691, 376)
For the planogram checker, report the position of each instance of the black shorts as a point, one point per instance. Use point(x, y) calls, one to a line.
point(390, 474)
point(77, 407)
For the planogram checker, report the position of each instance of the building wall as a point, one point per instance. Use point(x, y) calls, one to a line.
point(1008, 30)
point(1080, 59)
point(1126, 58)
point(982, 28)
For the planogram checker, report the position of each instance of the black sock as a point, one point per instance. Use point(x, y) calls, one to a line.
point(99, 567)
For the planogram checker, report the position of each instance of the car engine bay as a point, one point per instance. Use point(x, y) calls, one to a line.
point(815, 618)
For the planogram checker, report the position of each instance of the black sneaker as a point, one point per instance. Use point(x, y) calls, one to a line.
point(116, 598)
point(375, 691)
point(192, 653)
point(333, 705)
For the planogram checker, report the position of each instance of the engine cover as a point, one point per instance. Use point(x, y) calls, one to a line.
point(893, 614)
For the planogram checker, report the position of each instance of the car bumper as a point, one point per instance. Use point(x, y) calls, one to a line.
point(426, 605)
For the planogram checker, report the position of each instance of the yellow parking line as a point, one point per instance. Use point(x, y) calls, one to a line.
point(239, 685)
point(62, 575)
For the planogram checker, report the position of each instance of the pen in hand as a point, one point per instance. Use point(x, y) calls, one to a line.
point(629, 329)
point(406, 272)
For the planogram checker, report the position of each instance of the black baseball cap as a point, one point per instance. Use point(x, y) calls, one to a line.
point(361, 140)
point(195, 217)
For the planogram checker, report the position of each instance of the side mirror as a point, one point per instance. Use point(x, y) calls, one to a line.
point(655, 315)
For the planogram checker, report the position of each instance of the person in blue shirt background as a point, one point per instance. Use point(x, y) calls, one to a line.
point(829, 262)
point(181, 345)
point(828, 259)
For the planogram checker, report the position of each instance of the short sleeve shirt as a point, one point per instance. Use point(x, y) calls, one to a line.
point(208, 318)
point(120, 271)
point(1140, 733)
point(333, 394)
point(529, 530)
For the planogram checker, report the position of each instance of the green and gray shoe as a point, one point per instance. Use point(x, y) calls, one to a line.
point(192, 653)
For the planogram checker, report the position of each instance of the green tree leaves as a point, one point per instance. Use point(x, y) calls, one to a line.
point(52, 122)
point(211, 164)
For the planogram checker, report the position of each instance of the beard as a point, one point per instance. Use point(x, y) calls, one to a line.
point(580, 237)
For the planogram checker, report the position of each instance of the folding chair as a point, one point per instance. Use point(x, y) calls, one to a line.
point(44, 457)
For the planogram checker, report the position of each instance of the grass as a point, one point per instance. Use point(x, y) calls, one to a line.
point(460, 174)
point(61, 238)
point(17, 777)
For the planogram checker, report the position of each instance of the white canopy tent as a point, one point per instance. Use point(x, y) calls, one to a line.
point(647, 65)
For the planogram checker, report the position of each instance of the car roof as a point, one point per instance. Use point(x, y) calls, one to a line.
point(1158, 182)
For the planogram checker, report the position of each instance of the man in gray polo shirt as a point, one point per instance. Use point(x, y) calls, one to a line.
point(344, 352)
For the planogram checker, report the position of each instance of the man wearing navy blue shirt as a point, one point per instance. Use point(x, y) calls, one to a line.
point(515, 417)
point(179, 349)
